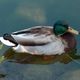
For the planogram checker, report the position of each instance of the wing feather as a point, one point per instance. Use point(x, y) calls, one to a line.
point(39, 35)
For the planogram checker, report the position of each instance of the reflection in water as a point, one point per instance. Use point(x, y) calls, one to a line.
point(71, 75)
point(25, 58)
point(2, 75)
point(27, 68)
point(32, 12)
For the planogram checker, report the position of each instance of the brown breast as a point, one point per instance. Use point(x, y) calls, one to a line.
point(70, 39)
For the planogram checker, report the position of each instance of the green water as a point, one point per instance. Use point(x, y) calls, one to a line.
point(21, 14)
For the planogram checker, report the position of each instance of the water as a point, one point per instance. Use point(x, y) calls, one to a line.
point(20, 14)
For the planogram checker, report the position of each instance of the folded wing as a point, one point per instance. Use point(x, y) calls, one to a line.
point(39, 35)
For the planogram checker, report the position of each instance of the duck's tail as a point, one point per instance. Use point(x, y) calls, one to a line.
point(7, 40)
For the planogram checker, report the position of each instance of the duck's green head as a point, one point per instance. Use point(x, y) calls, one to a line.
point(61, 27)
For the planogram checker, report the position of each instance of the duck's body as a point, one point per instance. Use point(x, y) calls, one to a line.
point(41, 40)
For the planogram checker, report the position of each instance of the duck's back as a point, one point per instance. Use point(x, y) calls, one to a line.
point(38, 35)
point(39, 40)
point(35, 30)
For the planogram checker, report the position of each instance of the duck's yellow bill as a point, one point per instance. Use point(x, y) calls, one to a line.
point(71, 30)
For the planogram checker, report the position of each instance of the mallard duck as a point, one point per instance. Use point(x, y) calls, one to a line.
point(42, 40)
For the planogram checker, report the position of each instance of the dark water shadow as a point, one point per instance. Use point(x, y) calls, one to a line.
point(25, 58)
point(3, 75)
